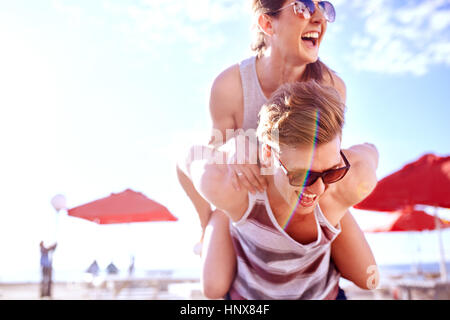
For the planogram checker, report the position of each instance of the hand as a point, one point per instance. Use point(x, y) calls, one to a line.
point(243, 165)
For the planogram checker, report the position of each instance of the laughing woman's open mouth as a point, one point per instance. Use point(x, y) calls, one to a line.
point(311, 39)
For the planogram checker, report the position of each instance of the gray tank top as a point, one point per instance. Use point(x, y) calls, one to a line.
point(254, 97)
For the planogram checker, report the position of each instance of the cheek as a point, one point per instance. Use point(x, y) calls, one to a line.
point(324, 32)
point(324, 28)
point(286, 190)
point(280, 179)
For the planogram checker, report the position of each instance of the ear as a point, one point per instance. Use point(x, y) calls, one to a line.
point(265, 24)
point(267, 165)
point(266, 155)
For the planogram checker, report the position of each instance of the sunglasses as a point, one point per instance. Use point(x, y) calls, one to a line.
point(308, 7)
point(307, 178)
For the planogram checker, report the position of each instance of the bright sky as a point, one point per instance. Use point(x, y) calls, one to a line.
point(100, 96)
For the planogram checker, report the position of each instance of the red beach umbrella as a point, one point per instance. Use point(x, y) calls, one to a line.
point(425, 181)
point(124, 207)
point(413, 220)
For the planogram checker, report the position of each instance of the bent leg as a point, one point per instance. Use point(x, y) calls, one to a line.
point(218, 257)
point(201, 205)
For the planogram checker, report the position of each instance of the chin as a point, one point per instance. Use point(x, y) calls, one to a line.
point(304, 211)
point(313, 59)
point(307, 59)
point(309, 56)
point(301, 210)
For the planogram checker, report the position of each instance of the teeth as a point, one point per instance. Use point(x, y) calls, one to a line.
point(309, 196)
point(311, 35)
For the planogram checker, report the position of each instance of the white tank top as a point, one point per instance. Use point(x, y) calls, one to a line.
point(254, 97)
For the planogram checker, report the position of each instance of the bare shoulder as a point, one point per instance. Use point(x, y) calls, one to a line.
point(335, 81)
point(228, 77)
point(226, 92)
point(361, 178)
point(355, 186)
point(226, 105)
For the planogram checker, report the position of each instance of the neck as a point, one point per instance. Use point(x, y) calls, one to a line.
point(274, 69)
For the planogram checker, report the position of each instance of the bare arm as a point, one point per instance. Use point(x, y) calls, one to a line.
point(218, 257)
point(207, 169)
point(224, 104)
point(350, 251)
point(209, 184)
point(352, 255)
point(336, 82)
point(227, 109)
point(212, 181)
point(226, 101)
point(361, 178)
point(355, 186)
point(339, 85)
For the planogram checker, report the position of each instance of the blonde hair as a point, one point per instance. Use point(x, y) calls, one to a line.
point(301, 113)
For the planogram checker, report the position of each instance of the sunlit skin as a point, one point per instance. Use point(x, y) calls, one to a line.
point(214, 182)
point(284, 197)
point(288, 54)
point(293, 27)
point(284, 60)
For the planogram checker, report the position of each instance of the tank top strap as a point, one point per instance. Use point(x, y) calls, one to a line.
point(253, 95)
point(330, 231)
point(252, 200)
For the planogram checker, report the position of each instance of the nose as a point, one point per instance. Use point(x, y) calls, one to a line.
point(317, 17)
point(317, 187)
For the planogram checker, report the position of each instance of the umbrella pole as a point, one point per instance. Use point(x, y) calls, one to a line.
point(443, 267)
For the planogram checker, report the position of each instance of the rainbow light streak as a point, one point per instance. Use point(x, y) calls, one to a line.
point(311, 157)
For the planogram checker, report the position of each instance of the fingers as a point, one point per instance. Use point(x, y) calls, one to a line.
point(249, 177)
point(235, 181)
point(245, 170)
point(244, 180)
point(261, 179)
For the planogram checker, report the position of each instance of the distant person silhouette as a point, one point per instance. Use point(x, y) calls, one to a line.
point(93, 269)
point(46, 269)
point(112, 269)
point(131, 267)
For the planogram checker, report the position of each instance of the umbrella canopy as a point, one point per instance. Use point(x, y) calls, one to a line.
point(407, 220)
point(425, 181)
point(124, 207)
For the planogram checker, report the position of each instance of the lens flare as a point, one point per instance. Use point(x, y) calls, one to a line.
point(310, 160)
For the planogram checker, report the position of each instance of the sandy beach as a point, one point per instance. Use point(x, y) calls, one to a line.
point(83, 291)
point(169, 288)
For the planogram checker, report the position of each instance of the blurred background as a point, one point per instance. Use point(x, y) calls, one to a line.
point(97, 97)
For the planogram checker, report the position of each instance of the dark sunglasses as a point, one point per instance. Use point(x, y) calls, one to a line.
point(308, 7)
point(307, 178)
